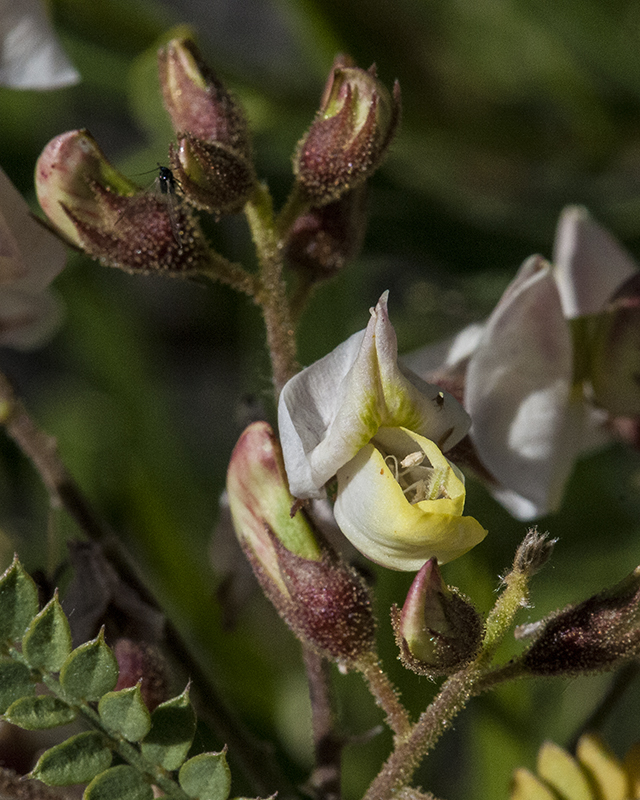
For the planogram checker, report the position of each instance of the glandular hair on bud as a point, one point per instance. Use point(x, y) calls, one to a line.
point(592, 636)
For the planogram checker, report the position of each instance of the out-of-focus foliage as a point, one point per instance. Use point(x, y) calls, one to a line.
point(512, 109)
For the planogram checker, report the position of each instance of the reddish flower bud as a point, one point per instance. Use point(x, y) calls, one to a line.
point(615, 364)
point(592, 636)
point(438, 631)
point(324, 239)
point(96, 208)
point(323, 601)
point(348, 139)
point(213, 161)
point(140, 661)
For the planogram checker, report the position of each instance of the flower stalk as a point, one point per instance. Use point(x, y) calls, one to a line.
point(272, 296)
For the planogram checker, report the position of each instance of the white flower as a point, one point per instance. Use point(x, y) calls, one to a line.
point(30, 55)
point(379, 428)
point(30, 258)
point(530, 407)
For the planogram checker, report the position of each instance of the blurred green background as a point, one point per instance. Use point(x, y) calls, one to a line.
point(512, 109)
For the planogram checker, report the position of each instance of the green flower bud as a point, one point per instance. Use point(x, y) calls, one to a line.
point(323, 601)
point(213, 161)
point(97, 209)
point(591, 636)
point(438, 631)
point(357, 120)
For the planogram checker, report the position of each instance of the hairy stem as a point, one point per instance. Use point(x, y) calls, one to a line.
point(234, 275)
point(386, 696)
point(272, 296)
point(327, 743)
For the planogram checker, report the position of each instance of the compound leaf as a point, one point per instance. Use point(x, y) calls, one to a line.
point(15, 682)
point(78, 760)
point(47, 642)
point(90, 670)
point(18, 602)
point(173, 725)
point(206, 776)
point(39, 713)
point(119, 783)
point(125, 713)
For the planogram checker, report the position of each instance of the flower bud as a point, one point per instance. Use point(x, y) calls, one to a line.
point(212, 162)
point(96, 208)
point(438, 631)
point(324, 602)
point(591, 636)
point(615, 362)
point(140, 661)
point(324, 239)
point(358, 117)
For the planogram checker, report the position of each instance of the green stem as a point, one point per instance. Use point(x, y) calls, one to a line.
point(455, 693)
point(234, 275)
point(272, 296)
point(386, 696)
point(297, 204)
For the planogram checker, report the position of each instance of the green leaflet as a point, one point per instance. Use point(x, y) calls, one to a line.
point(173, 726)
point(90, 670)
point(47, 642)
point(18, 602)
point(39, 713)
point(15, 682)
point(78, 760)
point(125, 713)
point(119, 783)
point(206, 776)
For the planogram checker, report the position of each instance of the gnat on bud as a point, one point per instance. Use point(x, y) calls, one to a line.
point(212, 160)
point(592, 636)
point(438, 631)
point(97, 209)
point(323, 601)
point(357, 120)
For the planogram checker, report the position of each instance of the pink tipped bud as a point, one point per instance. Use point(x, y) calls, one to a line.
point(324, 602)
point(348, 139)
point(438, 631)
point(593, 636)
point(325, 238)
point(213, 160)
point(615, 366)
point(98, 209)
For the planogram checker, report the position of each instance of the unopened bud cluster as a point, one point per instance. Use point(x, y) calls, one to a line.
point(212, 160)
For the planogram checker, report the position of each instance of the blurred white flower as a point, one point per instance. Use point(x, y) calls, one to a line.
point(30, 54)
point(30, 258)
point(523, 374)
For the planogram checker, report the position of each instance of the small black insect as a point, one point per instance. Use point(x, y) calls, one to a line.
point(166, 185)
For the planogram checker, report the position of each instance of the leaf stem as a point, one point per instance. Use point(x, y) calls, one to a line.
point(327, 743)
